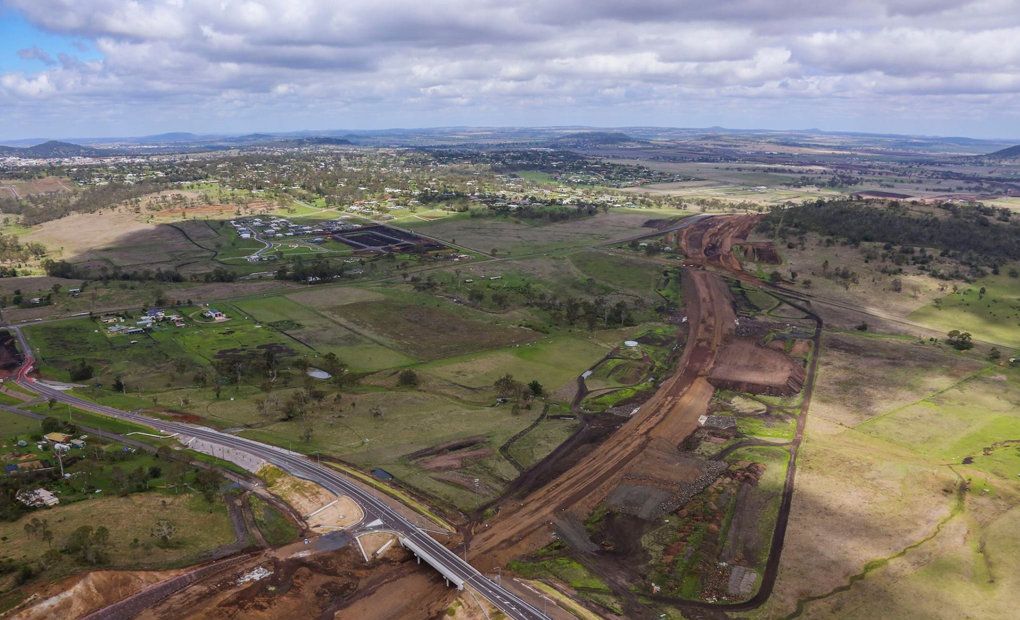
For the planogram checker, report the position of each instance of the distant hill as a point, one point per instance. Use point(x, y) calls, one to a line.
point(1012, 152)
point(589, 139)
point(50, 150)
point(313, 141)
point(173, 136)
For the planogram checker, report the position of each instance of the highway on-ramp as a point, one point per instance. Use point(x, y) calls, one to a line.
point(296, 464)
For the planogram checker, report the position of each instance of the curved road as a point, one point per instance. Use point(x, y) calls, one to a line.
point(296, 464)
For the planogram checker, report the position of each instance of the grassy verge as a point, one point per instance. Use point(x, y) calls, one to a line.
point(404, 498)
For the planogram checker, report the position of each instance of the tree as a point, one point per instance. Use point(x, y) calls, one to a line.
point(307, 434)
point(994, 354)
point(163, 530)
point(507, 388)
point(118, 385)
point(536, 388)
point(407, 378)
point(89, 545)
point(51, 425)
point(207, 481)
point(82, 371)
point(39, 528)
point(961, 341)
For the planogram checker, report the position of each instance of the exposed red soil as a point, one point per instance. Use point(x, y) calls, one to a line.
point(670, 415)
point(746, 367)
point(81, 594)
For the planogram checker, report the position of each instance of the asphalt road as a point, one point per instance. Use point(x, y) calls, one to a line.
point(297, 465)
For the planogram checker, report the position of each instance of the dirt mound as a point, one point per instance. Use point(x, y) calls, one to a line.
point(321, 510)
point(743, 366)
point(317, 586)
point(79, 595)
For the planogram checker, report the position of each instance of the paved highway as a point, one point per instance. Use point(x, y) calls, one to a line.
point(297, 465)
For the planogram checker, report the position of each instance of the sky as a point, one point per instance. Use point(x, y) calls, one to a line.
point(97, 68)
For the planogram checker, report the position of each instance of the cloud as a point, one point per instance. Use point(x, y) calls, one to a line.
point(34, 53)
point(401, 60)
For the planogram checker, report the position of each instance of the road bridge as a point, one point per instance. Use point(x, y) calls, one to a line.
point(423, 554)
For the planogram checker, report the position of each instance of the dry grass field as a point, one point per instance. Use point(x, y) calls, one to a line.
point(201, 528)
point(885, 523)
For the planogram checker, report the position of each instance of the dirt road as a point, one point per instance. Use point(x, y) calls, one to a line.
point(670, 415)
point(668, 418)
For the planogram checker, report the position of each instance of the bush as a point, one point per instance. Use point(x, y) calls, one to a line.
point(408, 378)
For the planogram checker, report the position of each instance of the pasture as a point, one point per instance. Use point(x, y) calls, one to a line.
point(992, 316)
point(515, 238)
point(201, 528)
point(302, 323)
point(886, 449)
point(424, 327)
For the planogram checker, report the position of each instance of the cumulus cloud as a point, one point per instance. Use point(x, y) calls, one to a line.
point(401, 58)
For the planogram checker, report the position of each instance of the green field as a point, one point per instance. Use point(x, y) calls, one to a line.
point(275, 527)
point(304, 324)
point(554, 361)
point(164, 357)
point(426, 328)
point(201, 528)
point(621, 273)
point(978, 413)
point(992, 317)
point(12, 424)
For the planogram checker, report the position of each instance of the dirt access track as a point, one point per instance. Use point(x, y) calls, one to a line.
point(668, 418)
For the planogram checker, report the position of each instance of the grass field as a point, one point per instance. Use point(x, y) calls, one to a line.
point(163, 358)
point(409, 420)
point(542, 440)
point(275, 527)
point(424, 327)
point(881, 464)
point(553, 361)
point(515, 238)
point(961, 421)
point(295, 316)
point(620, 273)
point(201, 527)
point(993, 316)
point(12, 424)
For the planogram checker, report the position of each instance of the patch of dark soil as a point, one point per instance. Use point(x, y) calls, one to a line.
point(331, 575)
point(566, 455)
point(285, 325)
point(656, 340)
point(764, 253)
point(10, 357)
point(659, 223)
point(182, 416)
point(450, 446)
point(619, 535)
point(279, 350)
